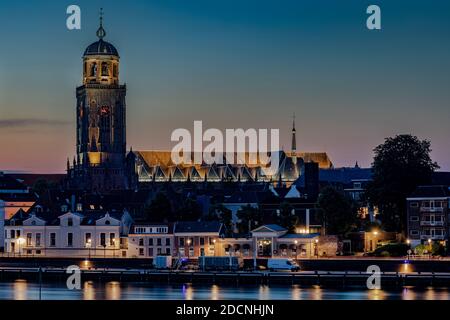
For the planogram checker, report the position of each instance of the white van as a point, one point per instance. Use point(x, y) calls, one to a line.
point(282, 264)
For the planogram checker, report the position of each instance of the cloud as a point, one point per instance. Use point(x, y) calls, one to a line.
point(30, 122)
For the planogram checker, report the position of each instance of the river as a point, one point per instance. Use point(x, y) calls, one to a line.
point(23, 290)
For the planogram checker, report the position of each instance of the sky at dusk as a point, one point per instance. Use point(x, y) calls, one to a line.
point(231, 64)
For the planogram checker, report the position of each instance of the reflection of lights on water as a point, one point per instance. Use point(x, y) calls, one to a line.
point(188, 291)
point(215, 292)
point(296, 292)
point(317, 293)
point(408, 293)
point(20, 289)
point(88, 290)
point(263, 292)
point(113, 290)
point(376, 294)
point(430, 294)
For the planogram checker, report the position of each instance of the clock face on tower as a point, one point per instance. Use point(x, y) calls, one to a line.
point(104, 110)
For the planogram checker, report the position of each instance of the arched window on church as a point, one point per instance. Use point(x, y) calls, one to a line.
point(115, 71)
point(105, 69)
point(94, 69)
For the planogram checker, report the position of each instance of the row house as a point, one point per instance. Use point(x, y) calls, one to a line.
point(194, 239)
point(148, 240)
point(428, 215)
point(69, 234)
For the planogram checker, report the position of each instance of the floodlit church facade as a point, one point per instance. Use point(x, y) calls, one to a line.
point(102, 162)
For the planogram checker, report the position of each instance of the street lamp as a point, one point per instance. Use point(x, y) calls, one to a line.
point(20, 241)
point(89, 244)
point(317, 247)
point(296, 249)
point(189, 247)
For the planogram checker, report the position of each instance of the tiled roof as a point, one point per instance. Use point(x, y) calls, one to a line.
point(195, 226)
point(431, 192)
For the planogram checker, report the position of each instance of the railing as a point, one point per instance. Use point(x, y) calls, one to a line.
point(431, 209)
point(431, 223)
point(432, 237)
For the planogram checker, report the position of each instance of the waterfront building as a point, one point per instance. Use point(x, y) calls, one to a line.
point(148, 240)
point(195, 238)
point(427, 215)
point(67, 234)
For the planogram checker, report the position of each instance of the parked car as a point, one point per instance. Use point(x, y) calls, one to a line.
point(282, 264)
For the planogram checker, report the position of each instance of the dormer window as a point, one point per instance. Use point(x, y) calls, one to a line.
point(69, 222)
point(64, 208)
point(79, 207)
point(107, 222)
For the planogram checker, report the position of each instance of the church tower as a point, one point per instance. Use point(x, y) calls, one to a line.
point(294, 142)
point(101, 126)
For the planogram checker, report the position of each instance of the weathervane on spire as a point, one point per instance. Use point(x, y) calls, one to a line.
point(101, 33)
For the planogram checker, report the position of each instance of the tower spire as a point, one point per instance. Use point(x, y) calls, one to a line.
point(294, 140)
point(101, 33)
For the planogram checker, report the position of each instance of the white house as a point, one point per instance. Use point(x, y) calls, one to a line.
point(70, 234)
point(150, 240)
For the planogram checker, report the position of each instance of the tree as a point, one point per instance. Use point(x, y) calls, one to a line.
point(189, 210)
point(286, 217)
point(219, 212)
point(249, 218)
point(400, 165)
point(339, 213)
point(159, 209)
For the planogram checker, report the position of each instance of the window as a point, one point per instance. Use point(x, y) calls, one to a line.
point(107, 222)
point(103, 239)
point(18, 233)
point(115, 70)
point(414, 232)
point(38, 239)
point(168, 251)
point(141, 251)
point(167, 241)
point(202, 241)
point(357, 185)
point(38, 251)
point(93, 70)
point(69, 222)
point(104, 69)
point(150, 252)
point(159, 251)
point(88, 239)
point(79, 207)
point(158, 241)
point(141, 242)
point(150, 241)
point(414, 205)
point(181, 242)
point(112, 239)
point(70, 239)
point(13, 234)
point(414, 218)
point(52, 239)
point(29, 235)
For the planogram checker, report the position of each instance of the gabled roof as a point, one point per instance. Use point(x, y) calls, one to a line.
point(269, 228)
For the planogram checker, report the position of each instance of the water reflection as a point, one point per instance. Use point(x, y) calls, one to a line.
point(88, 291)
point(22, 290)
